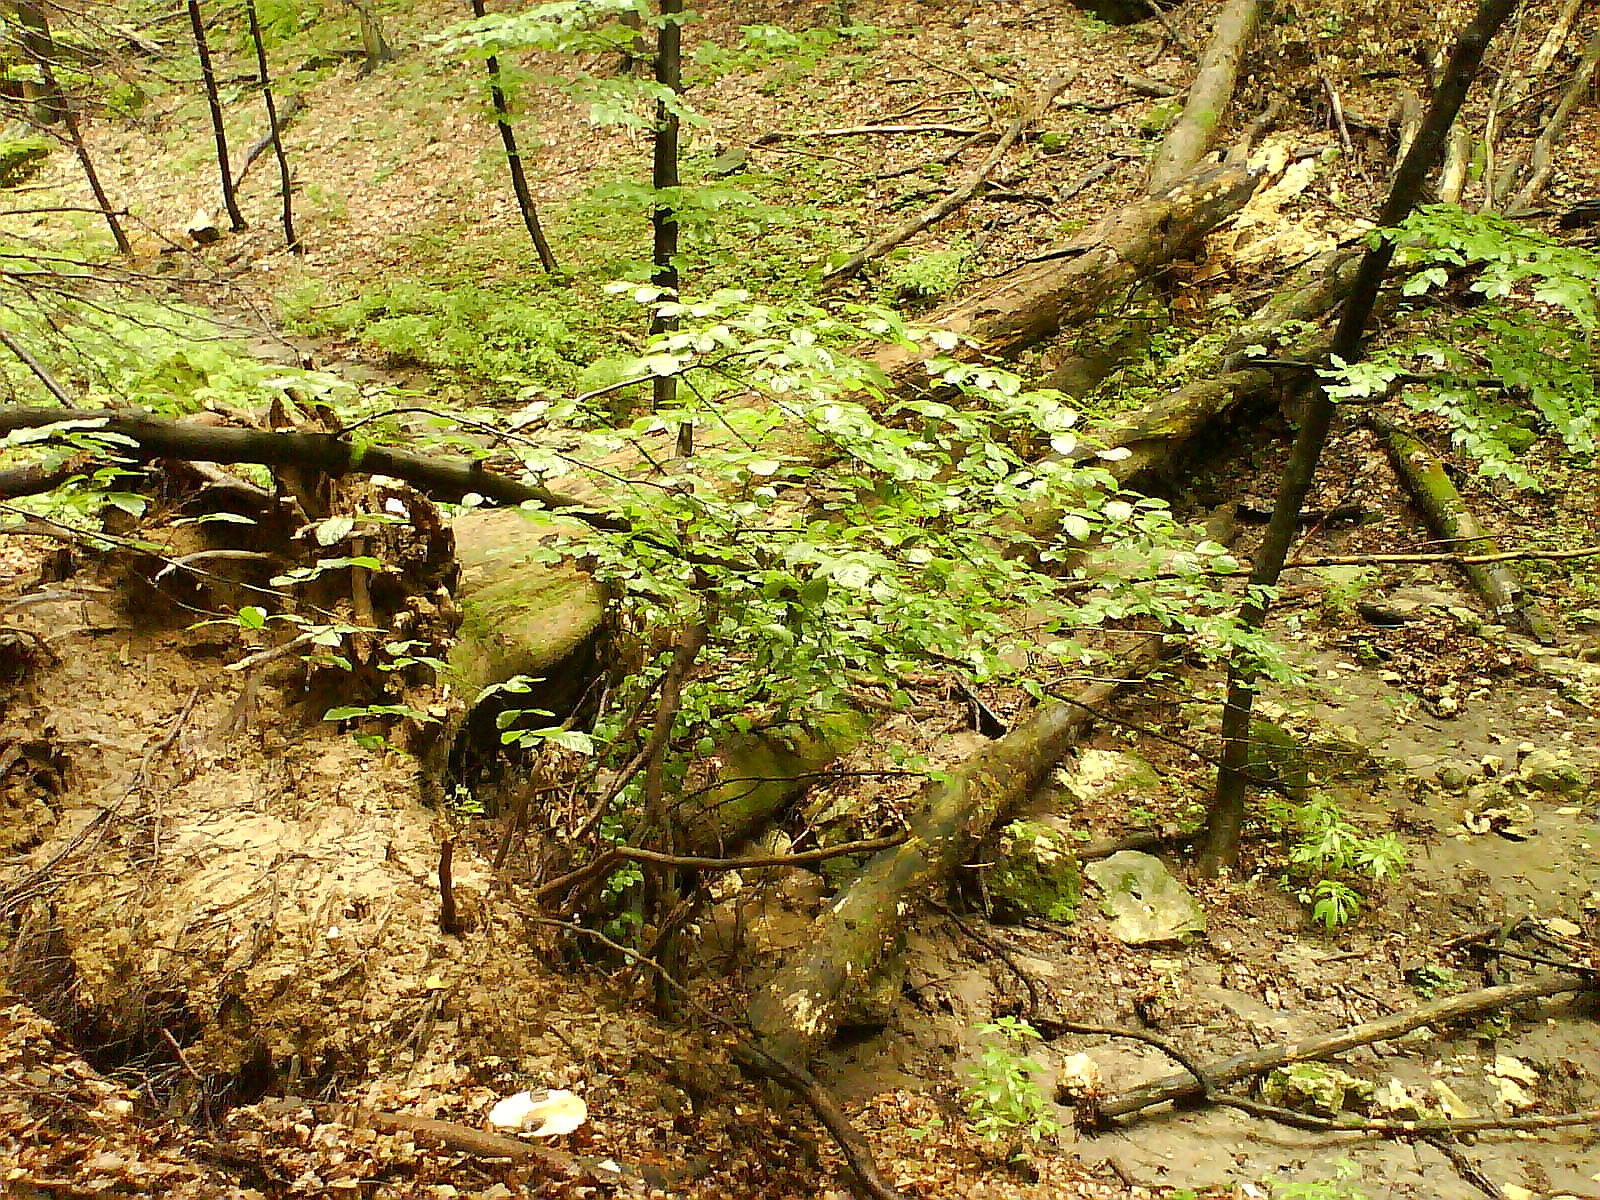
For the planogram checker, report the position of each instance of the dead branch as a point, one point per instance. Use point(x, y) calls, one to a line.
point(157, 437)
point(780, 135)
point(1541, 159)
point(279, 121)
point(461, 1138)
point(10, 342)
point(1190, 137)
point(1497, 184)
point(448, 920)
point(1460, 560)
point(1029, 113)
point(1323, 1046)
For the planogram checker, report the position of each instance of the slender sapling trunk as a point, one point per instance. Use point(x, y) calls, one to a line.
point(1220, 843)
point(209, 78)
point(519, 180)
point(290, 239)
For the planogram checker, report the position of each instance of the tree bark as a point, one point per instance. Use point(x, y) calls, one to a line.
point(1449, 517)
point(1070, 284)
point(208, 79)
point(273, 132)
point(664, 178)
point(519, 179)
point(796, 1013)
point(39, 45)
point(156, 437)
point(1225, 819)
point(1209, 95)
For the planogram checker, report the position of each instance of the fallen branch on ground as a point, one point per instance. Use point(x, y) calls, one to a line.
point(1029, 113)
point(1323, 1046)
point(781, 135)
point(1449, 517)
point(1460, 560)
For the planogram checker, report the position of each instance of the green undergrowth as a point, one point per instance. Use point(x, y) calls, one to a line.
point(475, 303)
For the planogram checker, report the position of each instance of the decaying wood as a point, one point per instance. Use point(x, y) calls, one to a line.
point(1541, 159)
point(960, 195)
point(156, 437)
point(279, 120)
point(1191, 136)
point(798, 1010)
point(1323, 1046)
point(1510, 94)
point(1448, 516)
point(1093, 270)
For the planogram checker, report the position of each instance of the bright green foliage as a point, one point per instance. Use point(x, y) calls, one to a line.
point(929, 276)
point(834, 531)
point(793, 52)
point(1341, 1187)
point(1004, 1100)
point(21, 157)
point(1327, 849)
point(1517, 364)
point(485, 332)
point(582, 27)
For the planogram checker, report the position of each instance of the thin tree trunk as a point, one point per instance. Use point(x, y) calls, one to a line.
point(39, 45)
point(519, 180)
point(798, 1010)
point(1225, 819)
point(209, 79)
point(273, 132)
point(81, 149)
point(373, 42)
point(41, 373)
point(664, 176)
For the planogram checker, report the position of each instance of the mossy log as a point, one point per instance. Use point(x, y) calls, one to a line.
point(524, 616)
point(796, 1013)
point(1191, 136)
point(1448, 516)
point(1071, 283)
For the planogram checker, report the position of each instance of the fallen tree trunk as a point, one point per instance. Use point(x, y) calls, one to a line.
point(1071, 283)
point(146, 438)
point(798, 1010)
point(1447, 514)
point(1315, 1049)
point(1191, 136)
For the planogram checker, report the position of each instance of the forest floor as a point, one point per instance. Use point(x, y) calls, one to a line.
point(224, 910)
